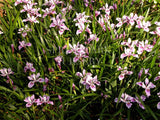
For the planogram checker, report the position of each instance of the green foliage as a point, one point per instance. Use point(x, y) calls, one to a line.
point(104, 57)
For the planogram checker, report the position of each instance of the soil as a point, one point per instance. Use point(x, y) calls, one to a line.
point(1, 5)
point(1, 11)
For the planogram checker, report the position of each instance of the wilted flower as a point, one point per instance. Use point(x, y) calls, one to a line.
point(44, 88)
point(60, 98)
point(87, 2)
point(46, 80)
point(51, 69)
point(9, 81)
point(12, 47)
point(58, 60)
point(73, 86)
point(115, 6)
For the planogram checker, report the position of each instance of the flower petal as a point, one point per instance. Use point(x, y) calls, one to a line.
point(158, 105)
point(128, 105)
point(31, 84)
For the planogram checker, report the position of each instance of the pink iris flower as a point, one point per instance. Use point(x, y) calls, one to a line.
point(49, 11)
point(79, 50)
point(23, 45)
point(29, 66)
point(59, 23)
point(124, 72)
point(147, 86)
point(24, 30)
point(34, 78)
point(6, 72)
point(30, 101)
point(31, 19)
point(44, 99)
point(125, 98)
point(88, 80)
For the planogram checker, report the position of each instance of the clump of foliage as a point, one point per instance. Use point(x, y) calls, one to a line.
point(80, 59)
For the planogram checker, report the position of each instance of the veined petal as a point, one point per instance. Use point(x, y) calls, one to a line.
point(19, 47)
point(123, 55)
point(50, 102)
point(40, 80)
point(151, 85)
point(121, 77)
point(75, 59)
point(140, 104)
point(28, 44)
point(139, 83)
point(28, 104)
point(158, 105)
point(147, 92)
point(79, 74)
point(32, 98)
point(33, 69)
point(38, 74)
point(146, 81)
point(93, 87)
point(156, 78)
point(31, 84)
point(128, 105)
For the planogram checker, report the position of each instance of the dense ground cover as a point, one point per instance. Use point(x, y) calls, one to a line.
point(75, 59)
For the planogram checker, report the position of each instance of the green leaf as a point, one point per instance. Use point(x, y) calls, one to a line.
point(120, 94)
